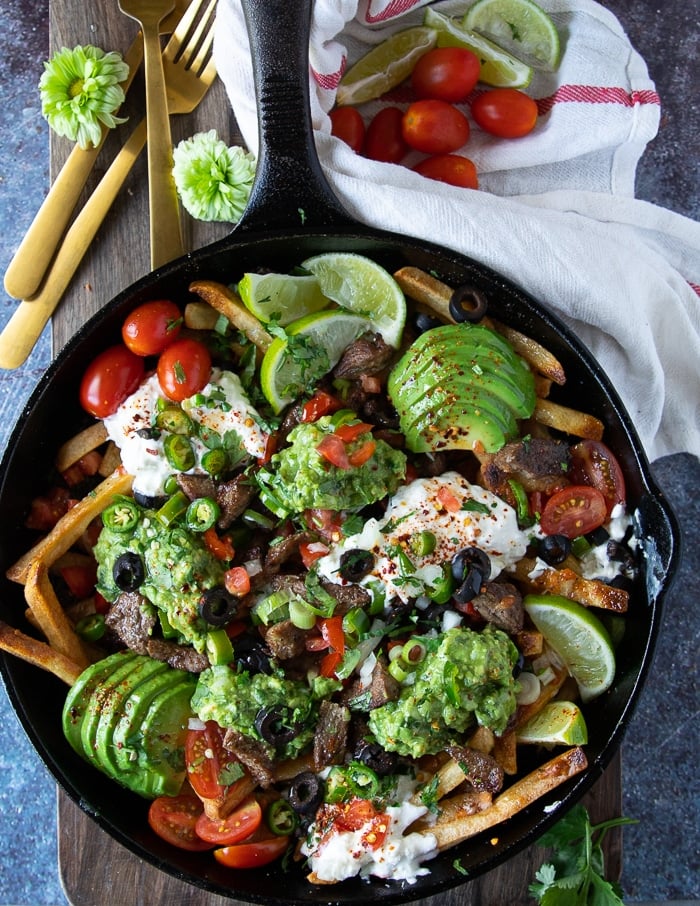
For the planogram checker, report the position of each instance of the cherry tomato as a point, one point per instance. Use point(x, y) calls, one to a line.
point(505, 112)
point(446, 73)
point(208, 761)
point(174, 819)
point(109, 379)
point(450, 168)
point(347, 124)
point(151, 327)
point(252, 854)
point(594, 464)
point(184, 368)
point(573, 511)
point(241, 823)
point(384, 140)
point(434, 127)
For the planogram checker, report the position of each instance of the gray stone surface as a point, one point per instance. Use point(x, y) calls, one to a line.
point(661, 747)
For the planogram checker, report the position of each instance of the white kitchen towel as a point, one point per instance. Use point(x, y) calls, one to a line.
point(555, 211)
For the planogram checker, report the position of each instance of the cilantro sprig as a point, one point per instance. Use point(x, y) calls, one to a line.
point(575, 874)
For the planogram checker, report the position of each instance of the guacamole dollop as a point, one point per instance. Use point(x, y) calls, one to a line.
point(234, 700)
point(466, 677)
point(178, 569)
point(301, 477)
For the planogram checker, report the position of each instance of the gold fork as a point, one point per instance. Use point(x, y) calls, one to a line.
point(33, 256)
point(189, 71)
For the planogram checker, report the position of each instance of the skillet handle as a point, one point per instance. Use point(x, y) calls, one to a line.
point(290, 189)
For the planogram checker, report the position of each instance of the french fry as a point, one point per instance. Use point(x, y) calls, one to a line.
point(540, 359)
point(570, 421)
point(565, 582)
point(227, 303)
point(530, 642)
point(79, 445)
point(51, 616)
point(453, 830)
point(482, 740)
point(111, 460)
point(505, 752)
point(221, 807)
point(449, 777)
point(71, 526)
point(38, 653)
point(200, 316)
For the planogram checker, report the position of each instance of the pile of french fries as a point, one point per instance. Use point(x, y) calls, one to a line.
point(462, 811)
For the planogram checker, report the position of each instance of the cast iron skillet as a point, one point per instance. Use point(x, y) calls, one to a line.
point(273, 235)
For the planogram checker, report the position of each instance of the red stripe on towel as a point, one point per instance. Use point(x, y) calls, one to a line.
point(592, 94)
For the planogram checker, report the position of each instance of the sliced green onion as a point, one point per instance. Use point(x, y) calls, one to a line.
point(395, 652)
point(378, 593)
point(397, 671)
point(257, 520)
point(342, 417)
point(302, 614)
point(219, 648)
point(355, 623)
point(272, 609)
point(413, 652)
point(272, 503)
point(172, 508)
point(580, 546)
point(351, 659)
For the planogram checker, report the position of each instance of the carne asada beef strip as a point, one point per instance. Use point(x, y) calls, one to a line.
point(500, 603)
point(181, 657)
point(285, 640)
point(482, 771)
point(234, 497)
point(369, 354)
point(252, 755)
point(132, 619)
point(538, 464)
point(330, 740)
point(196, 486)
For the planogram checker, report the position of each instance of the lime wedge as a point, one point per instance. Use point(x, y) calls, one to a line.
point(289, 297)
point(519, 26)
point(364, 287)
point(292, 367)
point(557, 722)
point(579, 638)
point(385, 66)
point(498, 67)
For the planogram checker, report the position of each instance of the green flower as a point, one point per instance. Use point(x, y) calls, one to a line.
point(213, 180)
point(80, 89)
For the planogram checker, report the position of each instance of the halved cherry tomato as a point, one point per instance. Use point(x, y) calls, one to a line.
point(184, 368)
point(241, 823)
point(348, 433)
point(384, 140)
point(573, 511)
point(505, 112)
point(434, 127)
point(347, 124)
point(237, 581)
point(321, 403)
point(252, 854)
point(594, 464)
point(450, 168)
point(209, 763)
point(332, 449)
point(151, 327)
point(174, 818)
point(109, 379)
point(446, 73)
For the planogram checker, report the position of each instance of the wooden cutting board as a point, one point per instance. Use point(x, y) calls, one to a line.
point(94, 869)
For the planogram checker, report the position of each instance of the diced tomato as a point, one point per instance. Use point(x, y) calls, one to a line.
point(321, 403)
point(363, 453)
point(355, 814)
point(241, 823)
point(209, 764)
point(332, 631)
point(270, 448)
point(328, 523)
point(101, 604)
point(47, 510)
point(85, 467)
point(333, 450)
point(330, 663)
point(573, 511)
point(312, 551)
point(349, 433)
point(252, 854)
point(219, 546)
point(174, 818)
point(80, 579)
point(448, 500)
point(237, 581)
point(236, 628)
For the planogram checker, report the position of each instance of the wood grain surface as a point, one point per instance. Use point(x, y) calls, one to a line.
point(95, 870)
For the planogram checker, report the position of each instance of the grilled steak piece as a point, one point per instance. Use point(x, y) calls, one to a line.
point(195, 486)
point(233, 497)
point(330, 741)
point(500, 603)
point(132, 619)
point(538, 464)
point(285, 640)
point(482, 771)
point(181, 657)
point(382, 687)
point(369, 354)
point(252, 754)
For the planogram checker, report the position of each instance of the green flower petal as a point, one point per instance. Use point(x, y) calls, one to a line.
point(213, 180)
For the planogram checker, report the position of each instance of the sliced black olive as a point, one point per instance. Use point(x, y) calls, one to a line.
point(218, 607)
point(598, 536)
point(251, 654)
point(306, 792)
point(622, 582)
point(467, 303)
point(128, 571)
point(620, 553)
point(375, 757)
point(554, 549)
point(468, 558)
point(425, 322)
point(150, 501)
point(148, 433)
point(274, 725)
point(470, 587)
point(355, 564)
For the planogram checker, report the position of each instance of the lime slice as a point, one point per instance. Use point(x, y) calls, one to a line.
point(364, 287)
point(519, 26)
point(579, 638)
point(557, 722)
point(498, 67)
point(385, 66)
point(291, 367)
point(289, 297)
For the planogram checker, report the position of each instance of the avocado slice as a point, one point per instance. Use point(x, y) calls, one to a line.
point(470, 387)
point(460, 431)
point(121, 704)
point(79, 695)
point(444, 406)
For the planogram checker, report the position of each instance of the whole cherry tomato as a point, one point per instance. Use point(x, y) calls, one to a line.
point(109, 379)
point(446, 73)
point(574, 510)
point(347, 124)
point(434, 127)
point(450, 168)
point(151, 327)
point(384, 141)
point(505, 112)
point(184, 368)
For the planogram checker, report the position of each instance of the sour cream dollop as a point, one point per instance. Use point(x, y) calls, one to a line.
point(481, 520)
point(221, 408)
